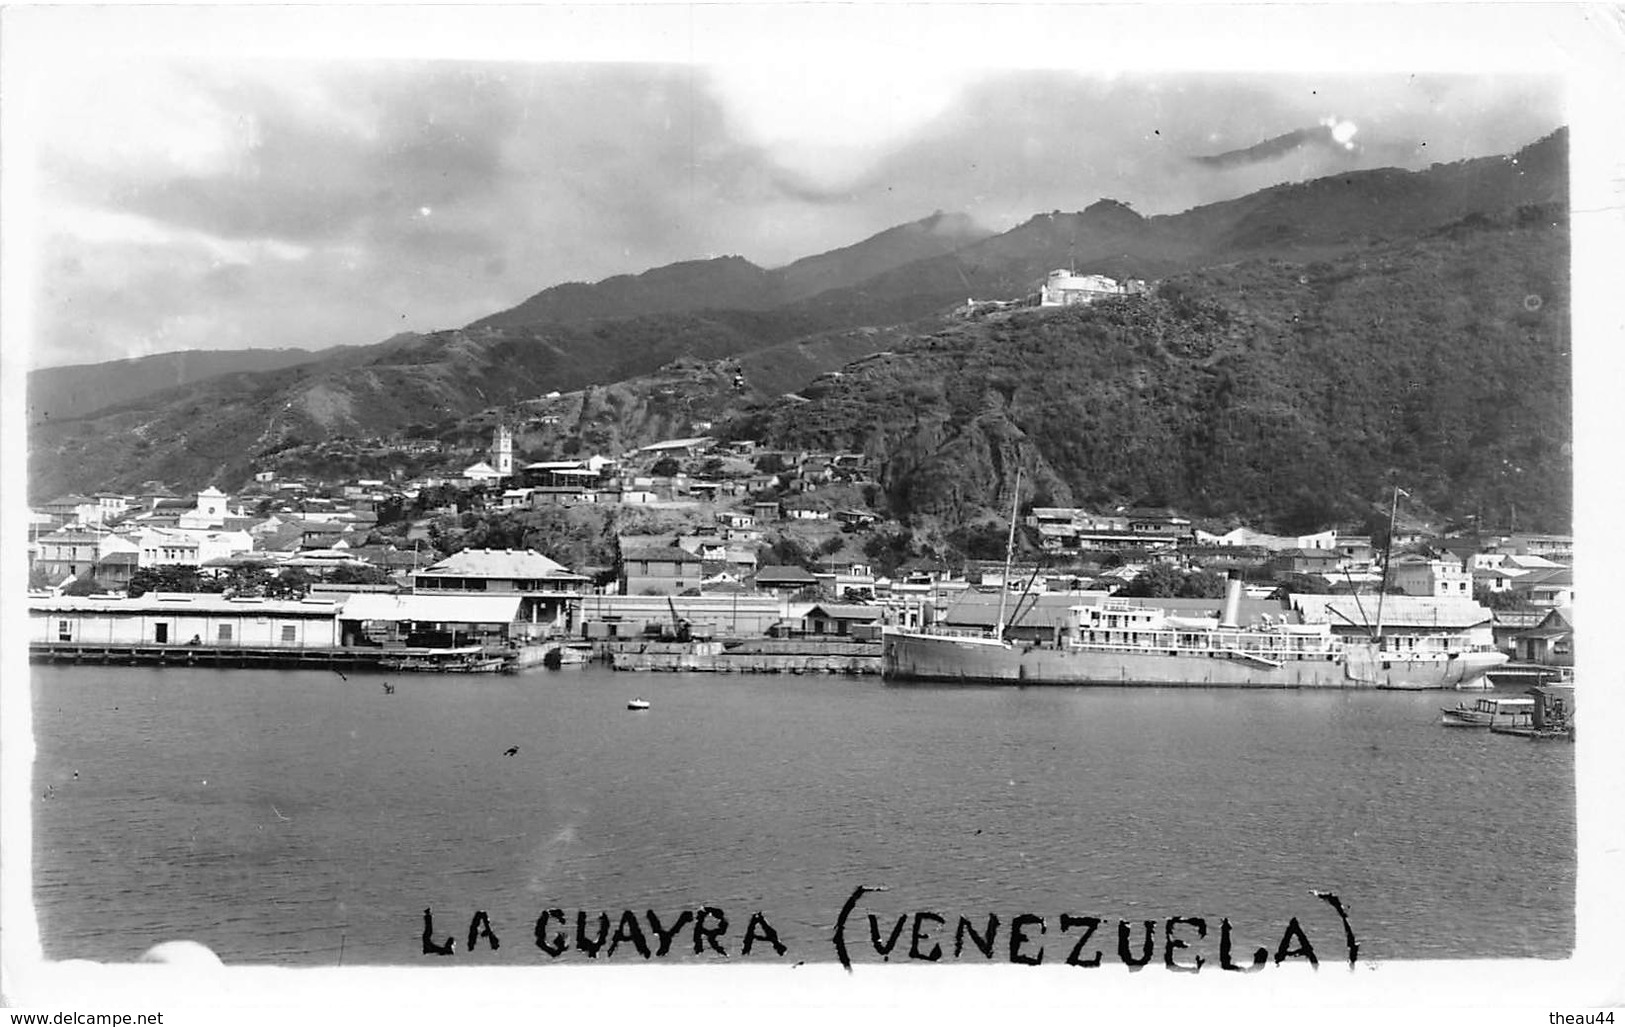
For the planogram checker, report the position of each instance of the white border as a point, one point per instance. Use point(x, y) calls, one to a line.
point(1582, 43)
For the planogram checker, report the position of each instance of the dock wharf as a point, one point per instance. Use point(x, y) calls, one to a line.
point(269, 657)
point(761, 656)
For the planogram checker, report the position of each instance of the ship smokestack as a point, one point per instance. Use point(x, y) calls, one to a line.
point(1232, 604)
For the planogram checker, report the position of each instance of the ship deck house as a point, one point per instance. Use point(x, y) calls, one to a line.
point(1422, 623)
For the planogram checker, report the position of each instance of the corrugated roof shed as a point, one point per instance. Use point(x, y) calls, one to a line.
point(186, 602)
point(440, 609)
point(500, 563)
point(669, 554)
point(796, 575)
point(846, 611)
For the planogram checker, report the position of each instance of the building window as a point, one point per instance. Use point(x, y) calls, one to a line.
point(64, 631)
point(288, 632)
point(225, 633)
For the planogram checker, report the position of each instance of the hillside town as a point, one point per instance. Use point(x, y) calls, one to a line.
point(732, 543)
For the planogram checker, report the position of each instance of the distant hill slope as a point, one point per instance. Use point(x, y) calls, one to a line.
point(1297, 221)
point(935, 236)
point(1293, 392)
point(734, 283)
point(216, 430)
point(63, 392)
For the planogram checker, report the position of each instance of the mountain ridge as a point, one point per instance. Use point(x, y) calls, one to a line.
point(215, 431)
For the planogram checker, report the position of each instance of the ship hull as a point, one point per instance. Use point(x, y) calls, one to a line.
point(922, 657)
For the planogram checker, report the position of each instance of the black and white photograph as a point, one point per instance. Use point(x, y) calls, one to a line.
point(810, 508)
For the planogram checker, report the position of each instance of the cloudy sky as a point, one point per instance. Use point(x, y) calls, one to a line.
point(316, 192)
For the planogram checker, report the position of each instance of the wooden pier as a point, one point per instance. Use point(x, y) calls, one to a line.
point(269, 657)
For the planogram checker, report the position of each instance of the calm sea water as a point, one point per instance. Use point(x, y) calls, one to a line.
point(299, 818)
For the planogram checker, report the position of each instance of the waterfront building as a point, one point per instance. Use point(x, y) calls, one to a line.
point(659, 570)
point(846, 619)
point(379, 619)
point(169, 618)
point(548, 591)
point(725, 615)
point(1551, 642)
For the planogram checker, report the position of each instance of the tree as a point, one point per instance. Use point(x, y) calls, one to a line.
point(246, 581)
point(1165, 581)
point(787, 552)
point(831, 546)
point(358, 574)
point(1203, 585)
point(888, 549)
point(984, 541)
point(666, 467)
point(292, 583)
point(170, 578)
point(84, 587)
point(1158, 581)
point(1499, 600)
point(1302, 584)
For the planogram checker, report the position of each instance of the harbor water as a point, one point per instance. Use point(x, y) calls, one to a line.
point(304, 818)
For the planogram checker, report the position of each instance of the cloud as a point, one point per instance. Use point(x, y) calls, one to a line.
point(1333, 136)
point(191, 203)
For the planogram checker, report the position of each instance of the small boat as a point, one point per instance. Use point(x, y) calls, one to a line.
point(637, 704)
point(1490, 711)
point(463, 660)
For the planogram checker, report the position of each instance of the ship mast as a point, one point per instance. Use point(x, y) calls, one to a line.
point(1009, 551)
point(1387, 554)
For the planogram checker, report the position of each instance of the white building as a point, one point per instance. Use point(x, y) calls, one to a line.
point(210, 512)
point(1064, 288)
point(187, 547)
point(165, 618)
point(482, 471)
point(502, 451)
point(1420, 576)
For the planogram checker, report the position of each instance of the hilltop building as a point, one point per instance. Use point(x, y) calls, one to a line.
point(1064, 288)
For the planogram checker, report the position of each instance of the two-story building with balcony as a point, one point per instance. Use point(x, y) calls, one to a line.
point(549, 591)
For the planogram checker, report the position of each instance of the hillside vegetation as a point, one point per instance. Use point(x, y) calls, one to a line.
point(1293, 394)
point(1307, 346)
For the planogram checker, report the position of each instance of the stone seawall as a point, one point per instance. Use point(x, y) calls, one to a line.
point(766, 656)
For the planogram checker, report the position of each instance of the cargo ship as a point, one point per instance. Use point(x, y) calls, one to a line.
point(1119, 642)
